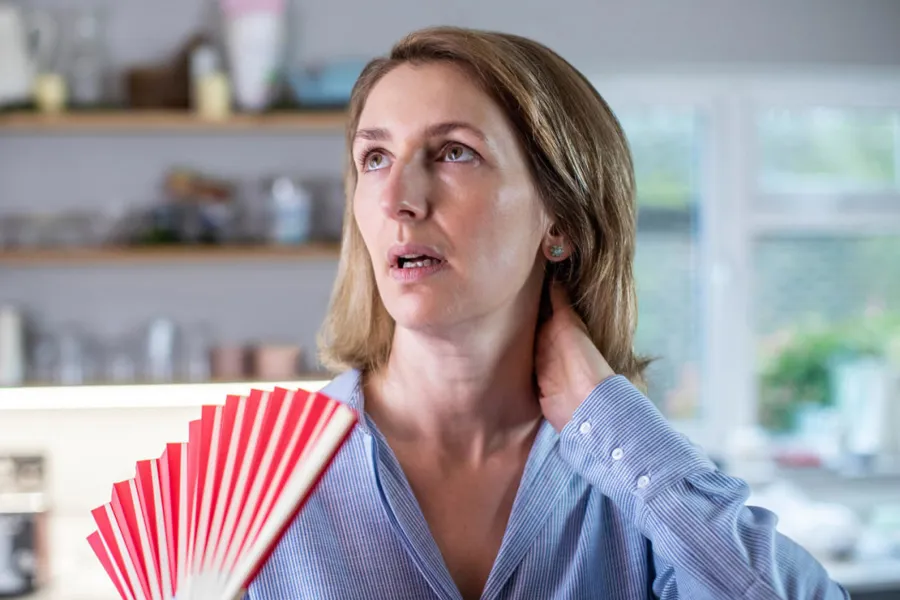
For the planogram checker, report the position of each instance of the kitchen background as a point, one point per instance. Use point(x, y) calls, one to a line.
point(169, 224)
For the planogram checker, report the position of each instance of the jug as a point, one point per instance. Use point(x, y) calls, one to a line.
point(27, 46)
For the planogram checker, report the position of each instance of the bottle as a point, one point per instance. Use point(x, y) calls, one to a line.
point(87, 58)
point(291, 212)
point(50, 93)
point(210, 87)
point(12, 346)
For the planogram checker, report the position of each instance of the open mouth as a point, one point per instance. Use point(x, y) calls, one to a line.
point(412, 261)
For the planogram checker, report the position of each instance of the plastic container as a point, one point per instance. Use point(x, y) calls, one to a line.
point(290, 206)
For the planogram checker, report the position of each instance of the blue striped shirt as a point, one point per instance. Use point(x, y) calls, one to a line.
point(618, 506)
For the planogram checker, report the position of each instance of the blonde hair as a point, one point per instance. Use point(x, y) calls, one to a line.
point(580, 162)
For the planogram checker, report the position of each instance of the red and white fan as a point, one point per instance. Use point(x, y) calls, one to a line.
point(198, 522)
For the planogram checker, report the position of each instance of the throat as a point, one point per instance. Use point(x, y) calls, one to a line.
point(461, 418)
point(467, 511)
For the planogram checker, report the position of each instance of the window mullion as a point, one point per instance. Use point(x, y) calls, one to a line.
point(729, 382)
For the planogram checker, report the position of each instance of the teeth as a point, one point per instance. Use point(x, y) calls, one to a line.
point(419, 263)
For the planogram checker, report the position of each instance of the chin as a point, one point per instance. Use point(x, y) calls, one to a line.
point(416, 313)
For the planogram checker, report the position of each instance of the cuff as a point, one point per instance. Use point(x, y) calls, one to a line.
point(620, 442)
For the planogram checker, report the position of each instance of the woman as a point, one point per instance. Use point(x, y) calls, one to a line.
point(483, 318)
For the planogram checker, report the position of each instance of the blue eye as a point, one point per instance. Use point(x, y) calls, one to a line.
point(458, 153)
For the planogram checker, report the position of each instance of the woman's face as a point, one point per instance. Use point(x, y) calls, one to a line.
point(444, 201)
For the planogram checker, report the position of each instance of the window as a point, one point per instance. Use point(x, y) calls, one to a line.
point(769, 212)
point(665, 145)
point(829, 150)
point(826, 261)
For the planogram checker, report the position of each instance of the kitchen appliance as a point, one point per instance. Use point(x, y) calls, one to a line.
point(23, 526)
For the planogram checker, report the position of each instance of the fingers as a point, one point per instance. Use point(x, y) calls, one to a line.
point(559, 297)
point(562, 306)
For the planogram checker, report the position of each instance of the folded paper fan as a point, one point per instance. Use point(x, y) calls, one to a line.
point(198, 522)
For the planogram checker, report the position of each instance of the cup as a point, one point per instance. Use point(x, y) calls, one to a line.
point(272, 362)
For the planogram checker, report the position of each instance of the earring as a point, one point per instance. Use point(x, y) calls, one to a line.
point(556, 251)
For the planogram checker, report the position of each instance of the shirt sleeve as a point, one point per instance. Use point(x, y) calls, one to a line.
point(706, 542)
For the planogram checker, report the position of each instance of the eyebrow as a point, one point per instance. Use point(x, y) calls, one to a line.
point(377, 134)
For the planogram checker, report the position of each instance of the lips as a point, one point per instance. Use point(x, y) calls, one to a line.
point(414, 255)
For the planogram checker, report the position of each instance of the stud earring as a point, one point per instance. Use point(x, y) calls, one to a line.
point(556, 251)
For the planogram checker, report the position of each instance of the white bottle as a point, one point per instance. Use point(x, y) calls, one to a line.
point(12, 346)
point(255, 45)
point(291, 212)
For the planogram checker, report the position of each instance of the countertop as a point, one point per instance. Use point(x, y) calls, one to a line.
point(870, 576)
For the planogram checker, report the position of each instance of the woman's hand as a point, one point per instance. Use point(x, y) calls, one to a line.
point(567, 364)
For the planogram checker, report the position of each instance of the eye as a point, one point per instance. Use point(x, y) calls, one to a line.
point(458, 153)
point(374, 160)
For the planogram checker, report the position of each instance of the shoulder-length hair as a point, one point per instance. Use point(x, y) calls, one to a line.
point(579, 160)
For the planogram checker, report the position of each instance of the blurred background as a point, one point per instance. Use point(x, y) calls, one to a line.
point(171, 204)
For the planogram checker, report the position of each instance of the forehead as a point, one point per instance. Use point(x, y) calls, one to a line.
point(411, 97)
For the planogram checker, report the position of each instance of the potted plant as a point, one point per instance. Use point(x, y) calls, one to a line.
point(799, 373)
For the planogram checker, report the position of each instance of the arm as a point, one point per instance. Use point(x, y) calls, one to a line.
point(706, 542)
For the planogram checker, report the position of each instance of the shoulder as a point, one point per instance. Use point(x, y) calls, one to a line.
point(345, 388)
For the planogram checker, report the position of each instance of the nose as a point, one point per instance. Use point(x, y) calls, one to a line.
point(405, 195)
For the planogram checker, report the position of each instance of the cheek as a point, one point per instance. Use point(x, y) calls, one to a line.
point(508, 231)
point(363, 214)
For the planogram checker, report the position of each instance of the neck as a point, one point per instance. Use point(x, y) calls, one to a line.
point(463, 396)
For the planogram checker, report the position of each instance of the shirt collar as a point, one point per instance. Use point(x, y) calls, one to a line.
point(347, 389)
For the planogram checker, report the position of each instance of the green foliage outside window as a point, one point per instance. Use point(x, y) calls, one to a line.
point(797, 372)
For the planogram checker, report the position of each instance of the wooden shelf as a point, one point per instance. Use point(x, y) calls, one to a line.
point(129, 255)
point(137, 395)
point(304, 377)
point(170, 121)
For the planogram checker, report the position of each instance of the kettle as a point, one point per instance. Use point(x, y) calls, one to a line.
point(27, 43)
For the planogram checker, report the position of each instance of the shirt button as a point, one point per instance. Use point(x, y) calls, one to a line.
point(643, 481)
point(585, 427)
point(617, 454)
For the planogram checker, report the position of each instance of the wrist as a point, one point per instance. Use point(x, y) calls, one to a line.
point(592, 376)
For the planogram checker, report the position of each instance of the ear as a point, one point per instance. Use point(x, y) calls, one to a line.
point(555, 246)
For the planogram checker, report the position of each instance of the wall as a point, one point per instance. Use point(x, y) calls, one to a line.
point(47, 173)
point(584, 31)
point(113, 173)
